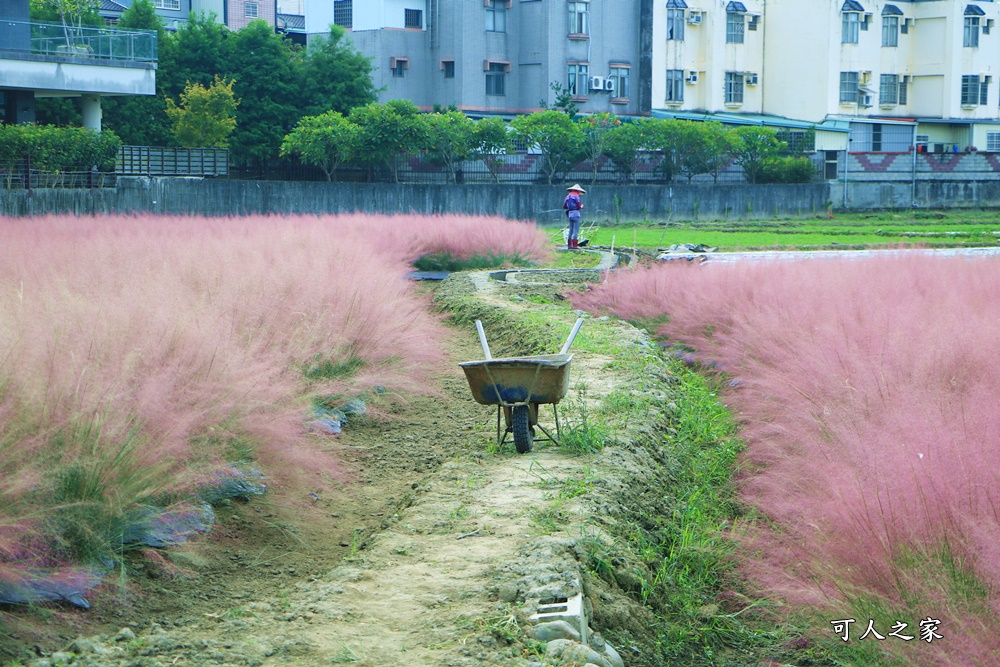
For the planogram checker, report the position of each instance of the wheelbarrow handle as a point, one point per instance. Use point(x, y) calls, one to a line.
point(482, 340)
point(572, 335)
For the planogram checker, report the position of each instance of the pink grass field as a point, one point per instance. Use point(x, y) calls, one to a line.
point(180, 334)
point(868, 396)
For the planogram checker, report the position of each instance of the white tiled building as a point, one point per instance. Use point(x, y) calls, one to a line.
point(870, 75)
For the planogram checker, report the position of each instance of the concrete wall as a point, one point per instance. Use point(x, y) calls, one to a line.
point(528, 202)
point(923, 194)
point(541, 203)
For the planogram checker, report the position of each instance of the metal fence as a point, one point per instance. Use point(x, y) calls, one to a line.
point(54, 39)
point(21, 176)
point(168, 161)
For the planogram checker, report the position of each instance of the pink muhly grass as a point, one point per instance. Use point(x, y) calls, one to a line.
point(867, 399)
point(181, 334)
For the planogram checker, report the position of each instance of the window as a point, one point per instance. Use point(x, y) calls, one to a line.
point(496, 79)
point(904, 89)
point(984, 89)
point(971, 94)
point(675, 85)
point(849, 88)
point(251, 10)
point(675, 24)
point(167, 4)
point(734, 28)
point(448, 67)
point(343, 13)
point(971, 37)
point(578, 78)
point(413, 18)
point(849, 28)
point(888, 90)
point(579, 18)
point(398, 66)
point(734, 88)
point(496, 16)
point(620, 75)
point(890, 31)
point(993, 142)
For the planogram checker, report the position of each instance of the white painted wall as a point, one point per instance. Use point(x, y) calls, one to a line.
point(704, 50)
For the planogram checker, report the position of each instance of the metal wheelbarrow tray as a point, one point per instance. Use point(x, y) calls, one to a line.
point(517, 386)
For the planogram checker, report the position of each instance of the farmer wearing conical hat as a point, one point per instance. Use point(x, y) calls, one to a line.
point(573, 206)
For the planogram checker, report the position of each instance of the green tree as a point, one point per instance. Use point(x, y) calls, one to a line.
point(451, 139)
point(72, 14)
point(267, 83)
point(670, 137)
point(559, 139)
point(206, 116)
point(753, 148)
point(702, 148)
point(325, 141)
point(141, 120)
point(624, 144)
point(716, 149)
point(596, 131)
point(387, 133)
point(335, 77)
point(491, 144)
point(201, 48)
point(563, 102)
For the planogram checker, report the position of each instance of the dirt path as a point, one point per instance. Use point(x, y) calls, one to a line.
point(433, 555)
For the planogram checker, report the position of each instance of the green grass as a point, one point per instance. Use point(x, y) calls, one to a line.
point(928, 228)
point(332, 368)
point(446, 261)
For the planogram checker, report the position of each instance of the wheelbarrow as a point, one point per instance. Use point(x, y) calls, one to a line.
point(518, 385)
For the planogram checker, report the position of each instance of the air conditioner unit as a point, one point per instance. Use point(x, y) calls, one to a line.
point(865, 76)
point(692, 78)
point(751, 79)
point(694, 18)
point(597, 83)
point(609, 84)
point(865, 100)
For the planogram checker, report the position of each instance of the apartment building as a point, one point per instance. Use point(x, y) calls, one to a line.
point(870, 75)
point(500, 57)
point(234, 14)
point(708, 56)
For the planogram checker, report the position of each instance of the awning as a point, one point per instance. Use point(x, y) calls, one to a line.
point(852, 6)
point(676, 4)
point(752, 119)
point(891, 10)
point(736, 7)
point(973, 10)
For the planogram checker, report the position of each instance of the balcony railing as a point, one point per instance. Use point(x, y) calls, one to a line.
point(37, 38)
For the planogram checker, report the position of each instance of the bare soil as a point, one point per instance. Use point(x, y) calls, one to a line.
point(420, 559)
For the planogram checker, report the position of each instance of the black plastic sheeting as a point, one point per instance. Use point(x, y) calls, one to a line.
point(156, 527)
point(331, 421)
point(66, 584)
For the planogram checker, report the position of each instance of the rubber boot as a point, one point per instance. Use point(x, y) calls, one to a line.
point(573, 244)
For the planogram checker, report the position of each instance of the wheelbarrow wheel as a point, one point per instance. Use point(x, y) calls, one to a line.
point(520, 425)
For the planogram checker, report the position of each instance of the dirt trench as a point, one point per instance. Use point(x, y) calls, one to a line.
point(433, 554)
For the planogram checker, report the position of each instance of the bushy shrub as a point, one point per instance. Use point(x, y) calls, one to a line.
point(788, 170)
point(55, 149)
